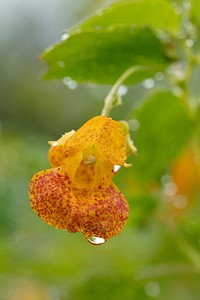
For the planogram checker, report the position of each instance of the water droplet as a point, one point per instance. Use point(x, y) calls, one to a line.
point(94, 240)
point(149, 83)
point(116, 168)
point(180, 201)
point(99, 12)
point(70, 83)
point(53, 143)
point(122, 90)
point(152, 289)
point(61, 64)
point(133, 124)
point(189, 43)
point(64, 36)
point(90, 160)
point(180, 75)
point(159, 76)
point(170, 189)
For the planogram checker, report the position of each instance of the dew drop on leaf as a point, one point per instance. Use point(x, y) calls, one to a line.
point(148, 83)
point(61, 64)
point(64, 36)
point(70, 83)
point(189, 43)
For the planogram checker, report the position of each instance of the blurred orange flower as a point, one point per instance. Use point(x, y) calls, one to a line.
point(77, 193)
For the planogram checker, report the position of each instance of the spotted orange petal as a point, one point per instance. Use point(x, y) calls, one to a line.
point(51, 197)
point(101, 134)
point(56, 152)
point(99, 213)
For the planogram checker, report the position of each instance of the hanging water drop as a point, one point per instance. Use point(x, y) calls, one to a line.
point(90, 160)
point(170, 189)
point(133, 124)
point(149, 83)
point(116, 168)
point(61, 64)
point(94, 240)
point(189, 43)
point(98, 27)
point(70, 83)
point(64, 36)
point(122, 90)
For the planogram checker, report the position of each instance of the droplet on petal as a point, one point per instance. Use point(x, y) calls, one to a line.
point(116, 168)
point(70, 83)
point(64, 36)
point(90, 160)
point(94, 240)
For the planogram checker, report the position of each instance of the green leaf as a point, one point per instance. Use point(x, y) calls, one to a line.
point(101, 56)
point(195, 9)
point(153, 13)
point(165, 129)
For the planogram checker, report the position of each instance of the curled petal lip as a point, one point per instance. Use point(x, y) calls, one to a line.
point(107, 136)
point(51, 197)
point(98, 212)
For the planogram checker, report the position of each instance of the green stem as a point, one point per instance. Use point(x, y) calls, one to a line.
point(110, 100)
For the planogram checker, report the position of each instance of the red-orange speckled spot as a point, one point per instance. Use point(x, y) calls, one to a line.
point(51, 197)
point(103, 215)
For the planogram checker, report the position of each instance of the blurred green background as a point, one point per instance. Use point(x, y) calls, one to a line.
point(39, 262)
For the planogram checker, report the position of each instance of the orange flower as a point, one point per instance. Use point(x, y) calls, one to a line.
point(78, 194)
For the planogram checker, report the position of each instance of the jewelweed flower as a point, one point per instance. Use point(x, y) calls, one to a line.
point(77, 194)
